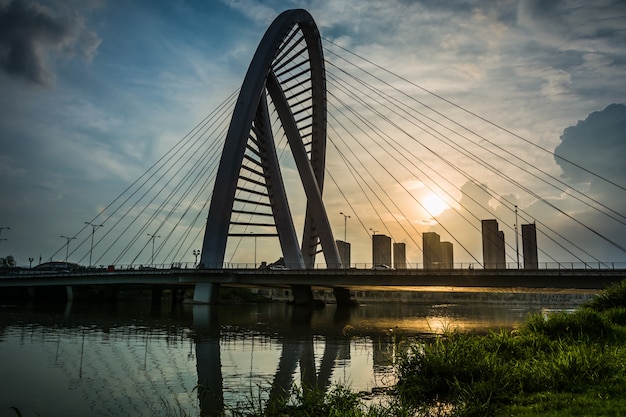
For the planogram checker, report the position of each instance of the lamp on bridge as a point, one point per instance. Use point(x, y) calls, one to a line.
point(196, 253)
point(67, 246)
point(152, 237)
point(254, 248)
point(93, 231)
point(345, 226)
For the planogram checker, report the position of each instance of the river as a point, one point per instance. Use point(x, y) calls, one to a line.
point(134, 359)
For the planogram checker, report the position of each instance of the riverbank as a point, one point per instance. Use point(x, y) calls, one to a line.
point(557, 364)
point(560, 364)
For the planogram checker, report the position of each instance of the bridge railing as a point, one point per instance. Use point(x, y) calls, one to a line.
point(409, 265)
point(360, 266)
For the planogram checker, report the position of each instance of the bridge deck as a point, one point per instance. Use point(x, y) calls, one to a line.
point(596, 279)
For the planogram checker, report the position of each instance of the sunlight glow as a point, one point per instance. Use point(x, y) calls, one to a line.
point(434, 204)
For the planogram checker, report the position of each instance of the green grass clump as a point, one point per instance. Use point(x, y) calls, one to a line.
point(581, 324)
point(337, 401)
point(558, 364)
point(613, 297)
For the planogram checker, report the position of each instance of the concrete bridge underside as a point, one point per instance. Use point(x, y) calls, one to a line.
point(412, 280)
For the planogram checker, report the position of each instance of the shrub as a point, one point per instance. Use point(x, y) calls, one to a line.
point(612, 297)
point(581, 324)
point(616, 315)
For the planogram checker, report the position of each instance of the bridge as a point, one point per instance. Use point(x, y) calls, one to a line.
point(268, 167)
point(591, 278)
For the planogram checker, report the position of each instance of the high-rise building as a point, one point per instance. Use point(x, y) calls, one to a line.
point(381, 250)
point(399, 255)
point(344, 253)
point(431, 246)
point(437, 254)
point(493, 245)
point(447, 256)
point(529, 245)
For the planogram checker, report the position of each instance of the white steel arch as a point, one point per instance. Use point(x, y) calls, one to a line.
point(288, 69)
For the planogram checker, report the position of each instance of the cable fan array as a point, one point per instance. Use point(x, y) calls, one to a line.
point(385, 135)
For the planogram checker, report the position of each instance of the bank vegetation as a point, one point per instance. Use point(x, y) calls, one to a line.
point(555, 364)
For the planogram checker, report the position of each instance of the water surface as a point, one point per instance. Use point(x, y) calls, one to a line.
point(133, 359)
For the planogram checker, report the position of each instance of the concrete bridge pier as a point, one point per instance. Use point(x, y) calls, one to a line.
point(157, 294)
point(176, 295)
point(206, 293)
point(69, 293)
point(342, 297)
point(302, 294)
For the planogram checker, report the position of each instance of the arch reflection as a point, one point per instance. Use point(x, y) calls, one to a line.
point(299, 343)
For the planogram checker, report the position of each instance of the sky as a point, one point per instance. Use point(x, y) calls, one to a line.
point(94, 92)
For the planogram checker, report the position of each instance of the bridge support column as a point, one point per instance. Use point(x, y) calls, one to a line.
point(175, 296)
point(157, 294)
point(69, 293)
point(302, 294)
point(206, 293)
point(343, 298)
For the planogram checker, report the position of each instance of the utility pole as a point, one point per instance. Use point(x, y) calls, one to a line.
point(93, 231)
point(67, 246)
point(516, 238)
point(152, 237)
point(345, 226)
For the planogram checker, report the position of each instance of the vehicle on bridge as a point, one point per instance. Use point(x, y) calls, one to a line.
point(382, 267)
point(58, 266)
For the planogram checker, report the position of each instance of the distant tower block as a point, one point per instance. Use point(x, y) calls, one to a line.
point(493, 245)
point(381, 250)
point(399, 255)
point(431, 246)
point(344, 253)
point(529, 243)
point(447, 255)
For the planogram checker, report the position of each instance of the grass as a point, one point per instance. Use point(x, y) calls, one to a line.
point(561, 364)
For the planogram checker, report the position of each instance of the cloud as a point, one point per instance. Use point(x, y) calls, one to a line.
point(594, 143)
point(32, 35)
point(596, 20)
point(253, 10)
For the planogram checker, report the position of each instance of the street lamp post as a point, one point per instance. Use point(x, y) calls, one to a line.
point(196, 253)
point(345, 226)
point(152, 237)
point(254, 236)
point(516, 237)
point(67, 246)
point(93, 231)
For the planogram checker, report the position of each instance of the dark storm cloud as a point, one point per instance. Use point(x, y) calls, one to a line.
point(597, 20)
point(597, 143)
point(32, 34)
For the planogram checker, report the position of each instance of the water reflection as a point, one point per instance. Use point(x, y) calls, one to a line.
point(130, 359)
point(297, 340)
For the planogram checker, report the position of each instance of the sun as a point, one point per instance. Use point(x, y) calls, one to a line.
point(434, 204)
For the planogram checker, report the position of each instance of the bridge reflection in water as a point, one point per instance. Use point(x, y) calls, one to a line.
point(297, 356)
point(133, 359)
